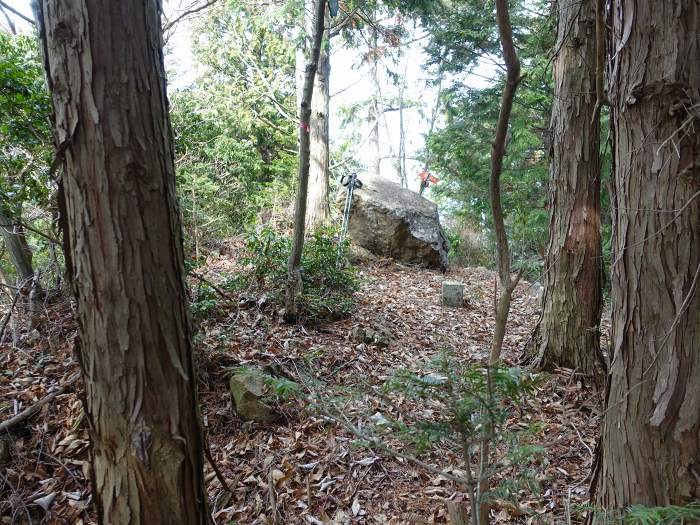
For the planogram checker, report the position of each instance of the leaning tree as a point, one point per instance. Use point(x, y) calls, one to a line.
point(650, 451)
point(104, 66)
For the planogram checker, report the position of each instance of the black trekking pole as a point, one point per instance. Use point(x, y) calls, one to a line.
point(351, 182)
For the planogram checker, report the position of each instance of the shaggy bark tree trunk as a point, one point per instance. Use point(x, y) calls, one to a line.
point(318, 205)
point(568, 332)
point(293, 287)
point(104, 64)
point(650, 451)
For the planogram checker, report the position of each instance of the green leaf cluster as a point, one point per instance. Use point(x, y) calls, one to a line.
point(328, 283)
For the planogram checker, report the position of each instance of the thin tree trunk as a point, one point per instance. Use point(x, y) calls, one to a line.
point(650, 451)
point(498, 151)
point(508, 284)
point(17, 248)
point(293, 267)
point(318, 205)
point(568, 332)
point(401, 162)
point(105, 70)
point(374, 162)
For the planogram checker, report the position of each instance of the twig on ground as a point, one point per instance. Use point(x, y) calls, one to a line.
point(217, 472)
point(33, 409)
point(214, 287)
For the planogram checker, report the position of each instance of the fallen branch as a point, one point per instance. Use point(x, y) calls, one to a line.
point(218, 290)
point(33, 409)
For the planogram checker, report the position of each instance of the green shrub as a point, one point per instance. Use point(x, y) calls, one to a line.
point(642, 515)
point(469, 405)
point(328, 283)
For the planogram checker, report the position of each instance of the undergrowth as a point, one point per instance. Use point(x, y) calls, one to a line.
point(328, 282)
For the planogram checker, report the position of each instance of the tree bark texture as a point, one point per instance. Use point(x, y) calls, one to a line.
point(318, 205)
point(105, 71)
point(17, 248)
point(650, 449)
point(568, 332)
point(294, 264)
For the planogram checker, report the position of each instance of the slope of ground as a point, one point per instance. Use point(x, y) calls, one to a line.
point(308, 469)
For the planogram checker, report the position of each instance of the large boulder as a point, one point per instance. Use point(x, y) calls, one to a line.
point(395, 222)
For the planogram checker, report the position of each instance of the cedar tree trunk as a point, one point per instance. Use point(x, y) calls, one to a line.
point(104, 64)
point(650, 448)
point(567, 334)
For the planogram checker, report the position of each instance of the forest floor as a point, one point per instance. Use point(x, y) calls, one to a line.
point(307, 469)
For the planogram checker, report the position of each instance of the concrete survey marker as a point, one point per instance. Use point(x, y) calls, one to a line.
point(452, 293)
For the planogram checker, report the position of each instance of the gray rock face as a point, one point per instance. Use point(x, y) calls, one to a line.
point(395, 222)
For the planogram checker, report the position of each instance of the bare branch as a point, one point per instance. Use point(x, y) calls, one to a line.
point(15, 12)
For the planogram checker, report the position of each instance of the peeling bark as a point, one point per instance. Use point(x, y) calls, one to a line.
point(105, 71)
point(568, 332)
point(650, 448)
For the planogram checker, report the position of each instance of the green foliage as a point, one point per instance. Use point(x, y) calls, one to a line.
point(468, 247)
point(25, 138)
point(463, 40)
point(466, 405)
point(643, 515)
point(26, 149)
point(204, 303)
point(235, 132)
point(328, 284)
point(283, 389)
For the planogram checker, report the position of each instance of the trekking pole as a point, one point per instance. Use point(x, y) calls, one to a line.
point(350, 182)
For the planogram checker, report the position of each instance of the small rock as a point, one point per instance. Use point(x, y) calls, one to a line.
point(33, 337)
point(377, 335)
point(452, 293)
point(357, 334)
point(247, 391)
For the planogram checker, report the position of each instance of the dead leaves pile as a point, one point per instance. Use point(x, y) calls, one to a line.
point(310, 470)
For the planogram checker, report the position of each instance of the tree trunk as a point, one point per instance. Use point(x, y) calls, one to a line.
point(293, 266)
point(508, 284)
point(318, 206)
point(568, 332)
point(17, 248)
point(650, 451)
point(374, 162)
point(105, 70)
